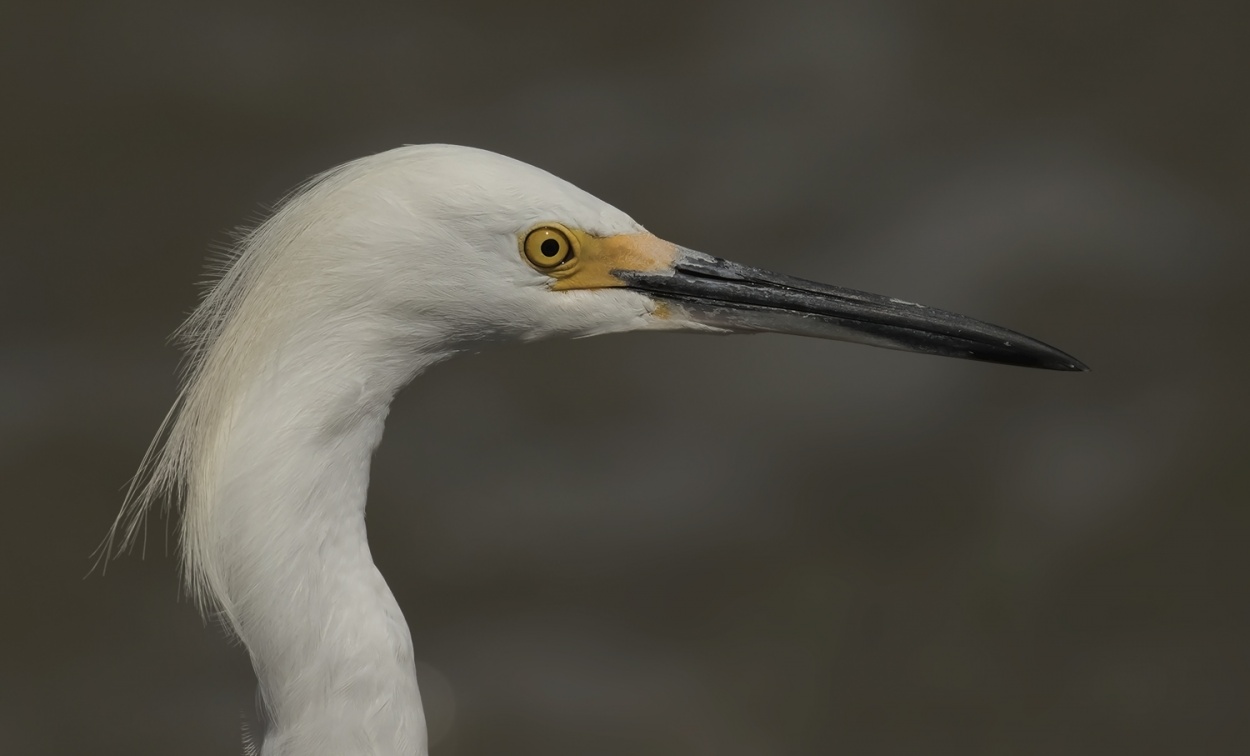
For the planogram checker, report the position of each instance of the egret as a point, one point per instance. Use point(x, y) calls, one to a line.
point(365, 277)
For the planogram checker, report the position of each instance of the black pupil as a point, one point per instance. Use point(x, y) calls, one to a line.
point(550, 247)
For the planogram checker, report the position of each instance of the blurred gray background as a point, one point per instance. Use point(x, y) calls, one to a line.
point(749, 545)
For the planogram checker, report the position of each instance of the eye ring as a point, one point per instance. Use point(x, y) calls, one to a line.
point(548, 246)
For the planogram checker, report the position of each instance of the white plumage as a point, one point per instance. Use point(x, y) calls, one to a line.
point(370, 274)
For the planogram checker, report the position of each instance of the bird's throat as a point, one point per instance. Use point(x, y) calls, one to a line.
point(284, 550)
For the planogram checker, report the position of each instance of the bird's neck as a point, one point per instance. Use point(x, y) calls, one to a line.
point(282, 542)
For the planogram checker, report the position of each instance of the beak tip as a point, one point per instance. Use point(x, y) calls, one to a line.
point(1061, 361)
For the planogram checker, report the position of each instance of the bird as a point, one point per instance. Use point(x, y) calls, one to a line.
point(363, 278)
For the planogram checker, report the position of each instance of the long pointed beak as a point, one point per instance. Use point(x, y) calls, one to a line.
point(738, 298)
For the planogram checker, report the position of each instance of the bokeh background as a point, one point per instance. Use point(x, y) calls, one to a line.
point(733, 546)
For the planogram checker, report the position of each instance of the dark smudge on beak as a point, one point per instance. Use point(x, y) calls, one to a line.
point(736, 297)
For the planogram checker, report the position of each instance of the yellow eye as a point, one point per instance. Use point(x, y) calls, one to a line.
point(548, 246)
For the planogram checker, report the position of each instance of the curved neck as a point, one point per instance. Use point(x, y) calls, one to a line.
point(285, 534)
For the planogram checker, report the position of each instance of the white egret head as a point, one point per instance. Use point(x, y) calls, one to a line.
point(467, 246)
point(456, 246)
